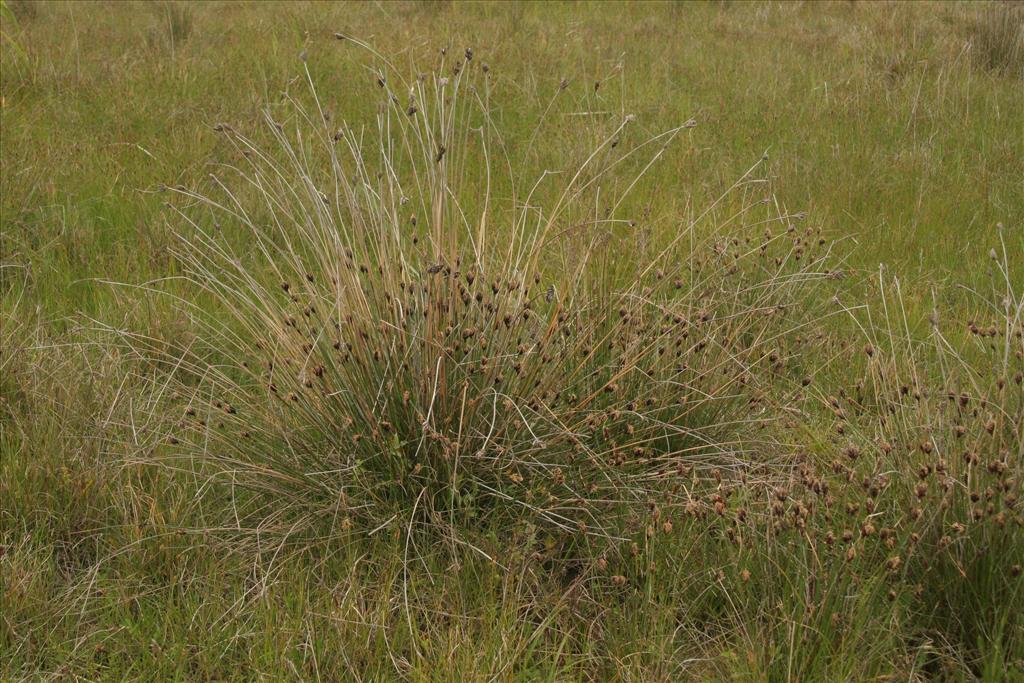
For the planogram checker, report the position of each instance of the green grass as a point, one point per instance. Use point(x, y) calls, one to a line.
point(896, 128)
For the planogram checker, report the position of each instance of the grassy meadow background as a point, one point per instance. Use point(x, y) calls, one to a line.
point(897, 129)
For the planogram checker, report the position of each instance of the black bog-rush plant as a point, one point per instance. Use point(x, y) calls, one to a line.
point(385, 331)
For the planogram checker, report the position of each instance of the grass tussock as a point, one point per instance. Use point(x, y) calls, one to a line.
point(173, 24)
point(998, 38)
point(389, 348)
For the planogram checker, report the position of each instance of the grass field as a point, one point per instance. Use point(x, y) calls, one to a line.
point(760, 417)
